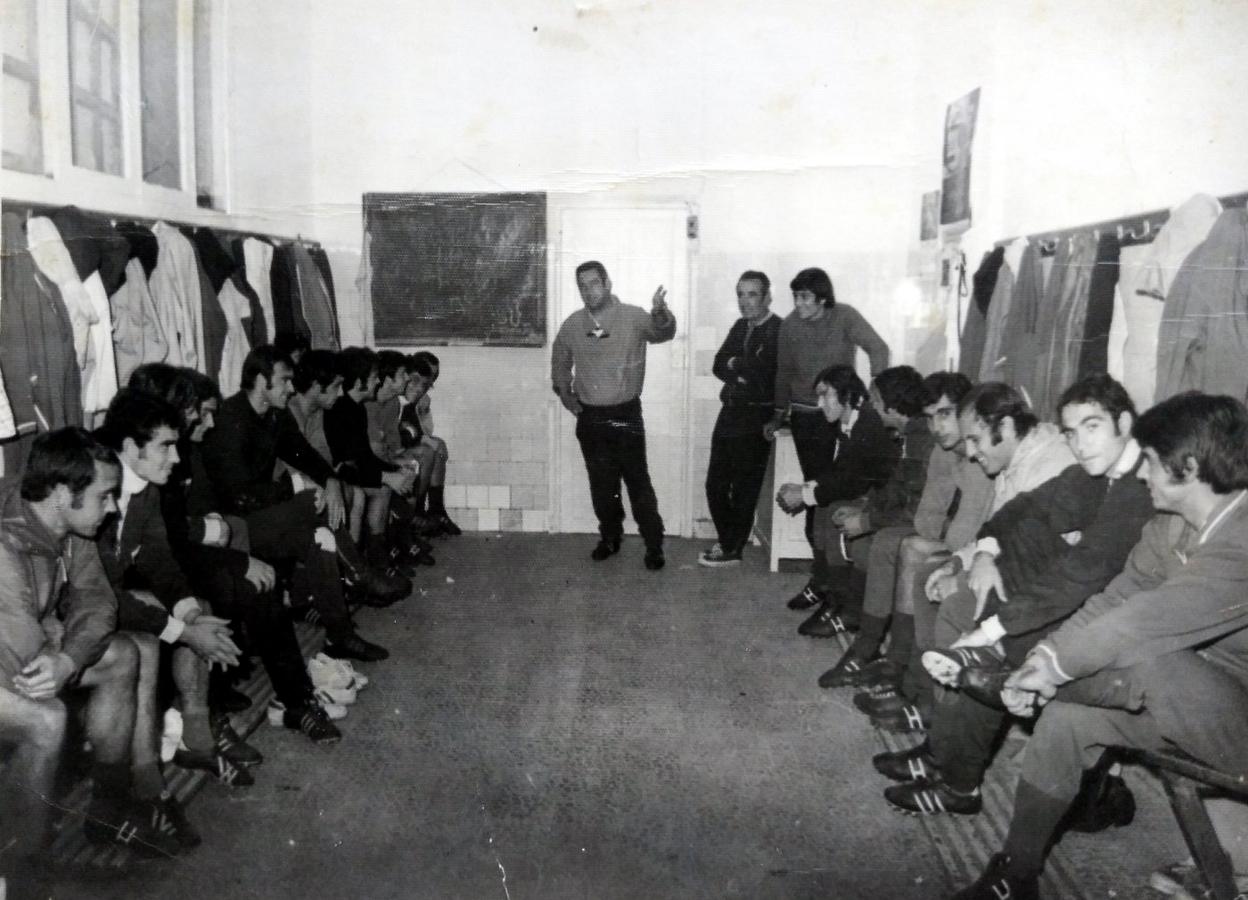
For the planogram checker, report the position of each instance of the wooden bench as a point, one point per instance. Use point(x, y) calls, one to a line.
point(1188, 784)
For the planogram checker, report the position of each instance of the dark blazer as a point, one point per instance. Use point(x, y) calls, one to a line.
point(865, 459)
point(752, 381)
point(140, 558)
point(346, 429)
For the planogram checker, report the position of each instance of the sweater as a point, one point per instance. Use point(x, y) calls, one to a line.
point(611, 369)
point(1183, 588)
point(896, 501)
point(864, 459)
point(808, 346)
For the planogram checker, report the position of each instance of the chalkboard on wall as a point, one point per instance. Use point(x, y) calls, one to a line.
point(458, 268)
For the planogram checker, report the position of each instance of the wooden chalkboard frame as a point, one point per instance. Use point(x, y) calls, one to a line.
point(458, 268)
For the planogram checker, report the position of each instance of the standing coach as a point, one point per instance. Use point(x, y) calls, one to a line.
point(597, 367)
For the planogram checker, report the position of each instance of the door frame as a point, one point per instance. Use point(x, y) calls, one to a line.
point(557, 288)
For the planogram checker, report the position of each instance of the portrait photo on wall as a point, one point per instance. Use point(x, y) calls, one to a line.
point(955, 196)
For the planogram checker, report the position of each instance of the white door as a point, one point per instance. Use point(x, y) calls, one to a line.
point(642, 247)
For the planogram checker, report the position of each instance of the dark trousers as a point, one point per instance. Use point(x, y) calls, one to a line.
point(739, 454)
point(265, 623)
point(613, 442)
point(285, 533)
point(814, 439)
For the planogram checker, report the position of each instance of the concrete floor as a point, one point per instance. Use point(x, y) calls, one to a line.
point(548, 727)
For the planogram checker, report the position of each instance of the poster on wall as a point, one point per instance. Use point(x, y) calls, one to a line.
point(929, 219)
point(955, 196)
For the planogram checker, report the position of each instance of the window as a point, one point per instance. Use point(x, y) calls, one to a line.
point(23, 139)
point(94, 64)
point(158, 81)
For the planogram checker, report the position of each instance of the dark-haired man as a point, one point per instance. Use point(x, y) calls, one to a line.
point(57, 634)
point(897, 395)
point(253, 430)
point(1046, 551)
point(156, 601)
point(597, 367)
point(1159, 659)
point(746, 364)
point(820, 332)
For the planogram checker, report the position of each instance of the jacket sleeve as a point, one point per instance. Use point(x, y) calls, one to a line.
point(89, 609)
point(660, 326)
point(895, 502)
point(156, 561)
point(732, 346)
point(866, 337)
point(785, 363)
point(1083, 570)
point(1068, 502)
point(939, 489)
point(350, 447)
point(758, 367)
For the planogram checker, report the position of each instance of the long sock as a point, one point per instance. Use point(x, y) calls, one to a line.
point(1035, 819)
point(901, 643)
point(870, 635)
point(437, 505)
point(112, 781)
point(148, 782)
point(196, 733)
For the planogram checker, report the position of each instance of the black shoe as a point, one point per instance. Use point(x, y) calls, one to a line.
point(129, 826)
point(382, 586)
point(854, 672)
point(313, 721)
point(604, 550)
point(930, 798)
point(227, 699)
point(997, 882)
point(352, 646)
point(946, 665)
point(1104, 802)
point(447, 526)
point(915, 764)
point(826, 622)
point(881, 701)
point(984, 685)
point(215, 764)
point(909, 719)
point(167, 814)
point(231, 745)
point(806, 598)
point(655, 559)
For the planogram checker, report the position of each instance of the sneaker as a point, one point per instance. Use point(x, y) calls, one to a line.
point(854, 672)
point(946, 665)
point(806, 598)
point(605, 549)
point(312, 721)
point(343, 697)
point(930, 798)
point(655, 559)
point(168, 815)
point(915, 764)
point(215, 764)
point(277, 711)
point(826, 622)
point(717, 557)
point(325, 671)
point(231, 745)
point(998, 882)
point(352, 646)
point(130, 826)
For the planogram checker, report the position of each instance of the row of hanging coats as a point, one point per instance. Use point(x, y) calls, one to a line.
point(86, 301)
point(1161, 317)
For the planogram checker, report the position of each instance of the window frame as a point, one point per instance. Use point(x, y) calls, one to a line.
point(62, 182)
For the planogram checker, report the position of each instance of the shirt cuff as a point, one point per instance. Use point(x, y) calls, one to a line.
point(214, 530)
point(988, 545)
point(184, 606)
point(1052, 657)
point(993, 628)
point(965, 555)
point(297, 481)
point(808, 493)
point(173, 630)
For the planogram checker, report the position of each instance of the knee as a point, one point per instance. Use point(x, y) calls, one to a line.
point(120, 661)
point(47, 725)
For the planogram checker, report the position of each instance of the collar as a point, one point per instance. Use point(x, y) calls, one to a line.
point(131, 483)
point(760, 322)
point(1126, 462)
point(848, 428)
point(1216, 520)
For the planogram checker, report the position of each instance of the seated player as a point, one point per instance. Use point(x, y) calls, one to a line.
point(863, 457)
